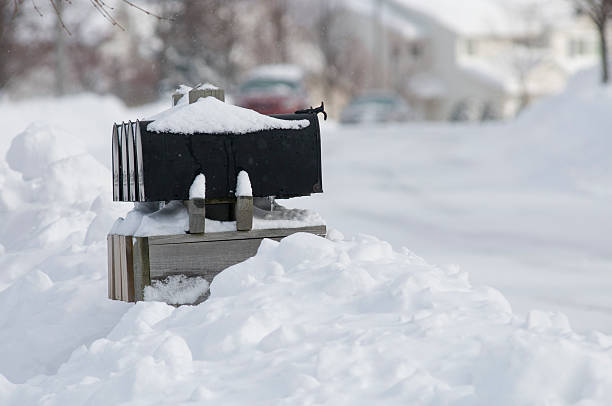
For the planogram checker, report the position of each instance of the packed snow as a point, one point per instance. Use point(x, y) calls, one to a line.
point(176, 289)
point(211, 116)
point(197, 190)
point(312, 321)
point(149, 219)
point(523, 206)
point(243, 184)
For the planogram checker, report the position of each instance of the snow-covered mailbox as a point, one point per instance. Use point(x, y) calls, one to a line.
point(204, 176)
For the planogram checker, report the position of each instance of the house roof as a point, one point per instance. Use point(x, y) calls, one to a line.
point(492, 17)
point(388, 16)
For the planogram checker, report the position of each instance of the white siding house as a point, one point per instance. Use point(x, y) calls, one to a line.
point(478, 59)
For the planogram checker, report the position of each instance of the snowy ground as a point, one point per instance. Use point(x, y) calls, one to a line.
point(523, 207)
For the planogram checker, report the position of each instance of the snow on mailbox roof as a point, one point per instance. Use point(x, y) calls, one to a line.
point(211, 116)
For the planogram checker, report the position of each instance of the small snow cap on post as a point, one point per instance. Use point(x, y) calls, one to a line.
point(243, 185)
point(198, 188)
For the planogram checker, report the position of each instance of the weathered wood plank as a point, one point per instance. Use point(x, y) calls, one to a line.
point(233, 235)
point(127, 269)
point(244, 213)
point(117, 267)
point(204, 259)
point(142, 275)
point(195, 94)
point(197, 214)
point(109, 248)
point(134, 261)
point(129, 242)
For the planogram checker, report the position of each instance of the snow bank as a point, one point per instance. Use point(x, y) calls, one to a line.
point(211, 116)
point(35, 148)
point(54, 217)
point(309, 320)
point(316, 321)
point(571, 133)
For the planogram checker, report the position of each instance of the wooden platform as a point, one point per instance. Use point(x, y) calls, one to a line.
point(134, 261)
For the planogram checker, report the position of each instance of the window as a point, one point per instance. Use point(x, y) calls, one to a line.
point(470, 47)
point(577, 47)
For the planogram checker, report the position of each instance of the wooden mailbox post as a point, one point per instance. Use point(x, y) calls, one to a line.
point(157, 167)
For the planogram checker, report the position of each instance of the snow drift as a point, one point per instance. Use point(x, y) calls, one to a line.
point(306, 321)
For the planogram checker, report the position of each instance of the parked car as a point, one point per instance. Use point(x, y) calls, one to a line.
point(379, 107)
point(273, 89)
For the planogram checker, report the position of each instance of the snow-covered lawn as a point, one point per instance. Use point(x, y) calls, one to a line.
point(523, 207)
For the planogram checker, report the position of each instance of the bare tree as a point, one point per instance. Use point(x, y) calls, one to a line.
point(524, 60)
point(198, 43)
point(9, 16)
point(278, 12)
point(344, 57)
point(599, 11)
point(102, 7)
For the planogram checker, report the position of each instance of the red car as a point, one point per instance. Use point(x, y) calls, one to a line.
point(273, 89)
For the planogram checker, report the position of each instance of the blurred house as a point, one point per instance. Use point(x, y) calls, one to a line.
point(475, 59)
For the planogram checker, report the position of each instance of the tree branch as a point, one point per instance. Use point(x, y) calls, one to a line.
point(59, 16)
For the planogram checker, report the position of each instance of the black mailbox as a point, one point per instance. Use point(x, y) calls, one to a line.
point(160, 166)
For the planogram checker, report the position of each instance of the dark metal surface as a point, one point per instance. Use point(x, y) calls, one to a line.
point(281, 163)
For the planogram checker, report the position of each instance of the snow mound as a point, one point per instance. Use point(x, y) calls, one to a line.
point(39, 145)
point(211, 116)
point(307, 318)
point(571, 134)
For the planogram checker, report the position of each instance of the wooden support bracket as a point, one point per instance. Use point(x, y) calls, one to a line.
point(135, 261)
point(244, 213)
point(197, 215)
